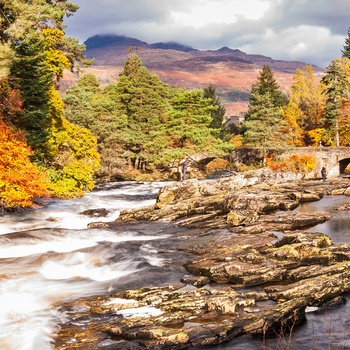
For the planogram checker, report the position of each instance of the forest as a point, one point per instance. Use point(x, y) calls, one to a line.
point(56, 144)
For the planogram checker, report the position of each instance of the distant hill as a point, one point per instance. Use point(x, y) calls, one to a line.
point(231, 71)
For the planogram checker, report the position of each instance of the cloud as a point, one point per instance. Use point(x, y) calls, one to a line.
point(304, 30)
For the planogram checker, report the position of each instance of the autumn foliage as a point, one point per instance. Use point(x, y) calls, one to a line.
point(20, 180)
point(296, 163)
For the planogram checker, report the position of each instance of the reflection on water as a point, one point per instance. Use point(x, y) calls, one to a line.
point(338, 228)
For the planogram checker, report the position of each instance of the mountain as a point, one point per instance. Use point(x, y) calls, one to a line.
point(231, 71)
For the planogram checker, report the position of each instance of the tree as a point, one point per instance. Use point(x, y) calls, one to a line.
point(11, 104)
point(266, 83)
point(187, 130)
point(292, 115)
point(265, 128)
point(33, 31)
point(336, 89)
point(20, 180)
point(306, 104)
point(143, 98)
point(218, 113)
point(346, 51)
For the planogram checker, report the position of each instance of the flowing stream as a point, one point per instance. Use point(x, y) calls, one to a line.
point(47, 256)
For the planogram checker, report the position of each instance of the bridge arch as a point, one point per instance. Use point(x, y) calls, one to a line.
point(343, 163)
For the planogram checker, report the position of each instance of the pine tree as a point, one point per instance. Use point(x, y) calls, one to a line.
point(336, 89)
point(143, 98)
point(266, 83)
point(346, 51)
point(218, 114)
point(265, 127)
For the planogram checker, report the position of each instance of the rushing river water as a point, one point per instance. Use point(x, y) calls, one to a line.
point(47, 256)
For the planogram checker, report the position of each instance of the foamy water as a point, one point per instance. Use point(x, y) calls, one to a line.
point(56, 258)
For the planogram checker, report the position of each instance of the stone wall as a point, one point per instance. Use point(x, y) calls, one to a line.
point(334, 159)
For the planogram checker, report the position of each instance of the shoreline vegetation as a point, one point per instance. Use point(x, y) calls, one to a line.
point(137, 127)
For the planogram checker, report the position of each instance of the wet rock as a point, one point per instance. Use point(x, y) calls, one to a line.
point(96, 213)
point(244, 279)
point(344, 207)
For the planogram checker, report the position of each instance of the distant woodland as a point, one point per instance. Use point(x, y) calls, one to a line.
point(137, 128)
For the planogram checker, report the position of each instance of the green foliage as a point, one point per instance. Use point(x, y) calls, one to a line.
point(336, 89)
point(346, 51)
point(218, 113)
point(141, 125)
point(264, 126)
point(266, 84)
point(34, 79)
point(188, 127)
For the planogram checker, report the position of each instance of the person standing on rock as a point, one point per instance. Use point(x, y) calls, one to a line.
point(184, 165)
point(324, 174)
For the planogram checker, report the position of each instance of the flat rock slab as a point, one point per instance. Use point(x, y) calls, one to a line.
point(241, 278)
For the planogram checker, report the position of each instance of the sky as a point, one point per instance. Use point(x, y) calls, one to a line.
point(310, 31)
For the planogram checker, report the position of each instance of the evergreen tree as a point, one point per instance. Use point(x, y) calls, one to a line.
point(266, 83)
point(336, 89)
point(143, 98)
point(33, 77)
point(265, 128)
point(187, 130)
point(346, 51)
point(218, 113)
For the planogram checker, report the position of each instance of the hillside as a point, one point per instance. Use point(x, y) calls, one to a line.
point(231, 71)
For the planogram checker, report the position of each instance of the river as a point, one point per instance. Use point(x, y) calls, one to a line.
point(47, 256)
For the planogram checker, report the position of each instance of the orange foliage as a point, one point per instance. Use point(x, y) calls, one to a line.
point(295, 163)
point(20, 180)
point(10, 102)
point(274, 164)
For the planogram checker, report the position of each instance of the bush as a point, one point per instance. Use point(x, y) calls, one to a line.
point(20, 180)
point(218, 164)
point(294, 163)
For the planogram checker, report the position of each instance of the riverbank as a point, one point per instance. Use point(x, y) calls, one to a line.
point(251, 267)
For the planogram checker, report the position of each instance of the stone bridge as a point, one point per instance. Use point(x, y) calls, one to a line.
point(334, 159)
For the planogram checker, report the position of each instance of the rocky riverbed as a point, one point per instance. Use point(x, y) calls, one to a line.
point(248, 266)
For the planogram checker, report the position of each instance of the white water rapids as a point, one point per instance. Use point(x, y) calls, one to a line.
point(48, 256)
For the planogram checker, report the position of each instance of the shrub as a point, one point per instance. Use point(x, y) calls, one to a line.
point(294, 163)
point(20, 180)
point(218, 164)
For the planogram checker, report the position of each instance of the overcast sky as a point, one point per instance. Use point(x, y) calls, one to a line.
point(311, 31)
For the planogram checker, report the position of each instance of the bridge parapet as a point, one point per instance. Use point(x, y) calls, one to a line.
point(334, 159)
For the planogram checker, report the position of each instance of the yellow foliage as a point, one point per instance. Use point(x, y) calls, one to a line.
point(317, 136)
point(295, 163)
point(236, 141)
point(74, 160)
point(55, 58)
point(217, 164)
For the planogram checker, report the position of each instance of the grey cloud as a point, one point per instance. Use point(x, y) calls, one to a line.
point(306, 30)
